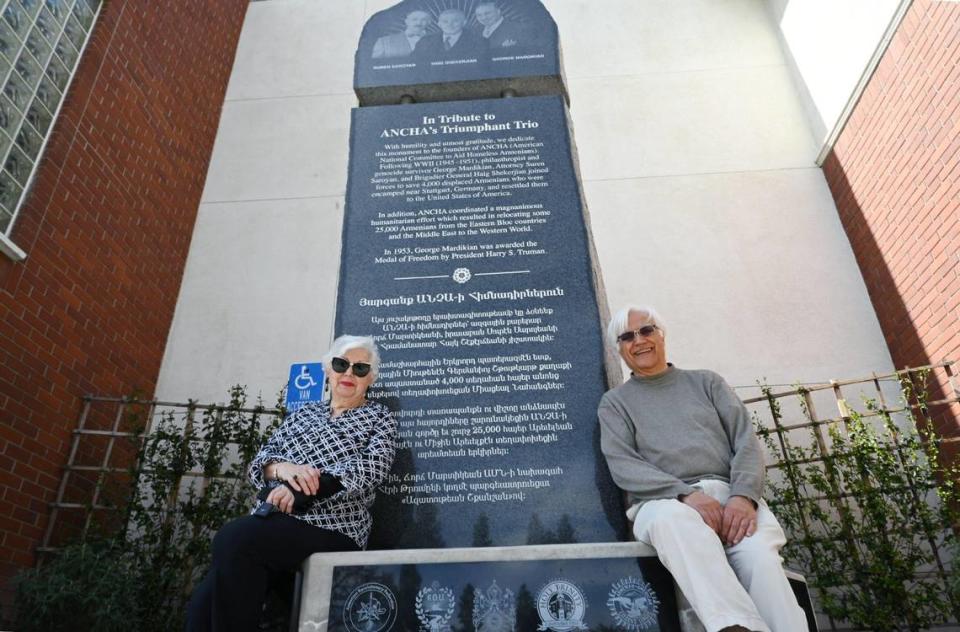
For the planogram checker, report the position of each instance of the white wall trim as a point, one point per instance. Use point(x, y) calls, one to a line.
point(871, 67)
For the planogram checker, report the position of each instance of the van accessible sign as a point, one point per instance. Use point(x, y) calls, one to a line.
point(305, 385)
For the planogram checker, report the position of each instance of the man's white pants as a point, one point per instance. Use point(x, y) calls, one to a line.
point(737, 585)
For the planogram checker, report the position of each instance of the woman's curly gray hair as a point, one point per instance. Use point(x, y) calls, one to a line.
point(345, 343)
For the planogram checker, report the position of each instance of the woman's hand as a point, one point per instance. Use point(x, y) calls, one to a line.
point(302, 478)
point(281, 498)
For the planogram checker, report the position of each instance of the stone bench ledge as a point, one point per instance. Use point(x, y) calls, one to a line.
point(318, 568)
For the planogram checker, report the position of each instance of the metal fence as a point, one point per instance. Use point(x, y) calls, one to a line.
point(103, 459)
point(811, 432)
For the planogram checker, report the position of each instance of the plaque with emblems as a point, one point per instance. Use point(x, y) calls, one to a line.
point(630, 594)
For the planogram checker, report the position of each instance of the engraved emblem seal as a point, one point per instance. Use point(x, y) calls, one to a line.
point(462, 275)
point(434, 607)
point(494, 610)
point(561, 607)
point(371, 607)
point(633, 604)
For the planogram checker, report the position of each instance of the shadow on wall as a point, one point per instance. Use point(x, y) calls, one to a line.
point(906, 346)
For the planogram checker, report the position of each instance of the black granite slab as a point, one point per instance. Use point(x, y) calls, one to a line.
point(402, 52)
point(802, 592)
point(546, 595)
point(465, 254)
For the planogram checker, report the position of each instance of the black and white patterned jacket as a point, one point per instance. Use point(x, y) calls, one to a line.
point(357, 447)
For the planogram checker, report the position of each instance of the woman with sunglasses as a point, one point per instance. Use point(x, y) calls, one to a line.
point(317, 476)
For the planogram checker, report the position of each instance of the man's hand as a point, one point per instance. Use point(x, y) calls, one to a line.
point(739, 520)
point(709, 509)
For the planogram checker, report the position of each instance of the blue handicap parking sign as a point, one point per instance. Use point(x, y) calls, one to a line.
point(305, 385)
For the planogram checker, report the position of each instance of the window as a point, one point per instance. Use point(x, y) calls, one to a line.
point(40, 45)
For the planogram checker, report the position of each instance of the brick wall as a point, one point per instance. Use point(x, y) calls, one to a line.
point(895, 176)
point(106, 228)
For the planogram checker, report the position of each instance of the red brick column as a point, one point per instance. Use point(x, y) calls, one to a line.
point(106, 229)
point(895, 176)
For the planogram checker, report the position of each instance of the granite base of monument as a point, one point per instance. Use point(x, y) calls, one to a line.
point(600, 587)
point(560, 587)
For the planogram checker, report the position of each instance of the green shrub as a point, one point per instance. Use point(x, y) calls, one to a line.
point(872, 522)
point(85, 587)
point(190, 478)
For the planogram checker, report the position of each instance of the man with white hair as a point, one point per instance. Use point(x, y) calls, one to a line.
point(402, 44)
point(681, 444)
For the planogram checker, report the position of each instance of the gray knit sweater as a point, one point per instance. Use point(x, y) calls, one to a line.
point(662, 433)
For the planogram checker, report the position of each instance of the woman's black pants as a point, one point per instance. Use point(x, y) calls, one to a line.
point(247, 553)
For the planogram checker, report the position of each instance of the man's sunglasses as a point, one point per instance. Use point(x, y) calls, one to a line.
point(340, 365)
point(646, 331)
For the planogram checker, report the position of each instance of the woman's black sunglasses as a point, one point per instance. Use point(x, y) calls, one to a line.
point(645, 331)
point(340, 365)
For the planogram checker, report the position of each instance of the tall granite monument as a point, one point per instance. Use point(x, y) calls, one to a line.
point(466, 253)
